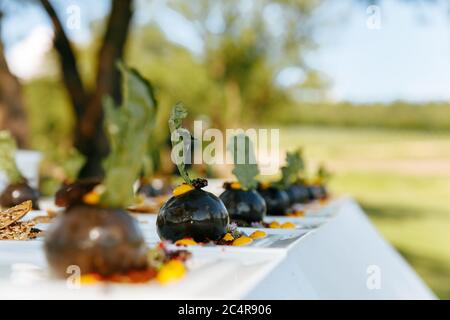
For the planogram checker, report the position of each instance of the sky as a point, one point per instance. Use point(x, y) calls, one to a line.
point(395, 51)
point(407, 58)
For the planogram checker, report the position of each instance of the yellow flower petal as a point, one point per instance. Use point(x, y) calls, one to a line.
point(264, 185)
point(274, 225)
point(92, 198)
point(182, 189)
point(258, 234)
point(172, 271)
point(90, 278)
point(235, 185)
point(288, 225)
point(242, 241)
point(228, 237)
point(298, 213)
point(186, 242)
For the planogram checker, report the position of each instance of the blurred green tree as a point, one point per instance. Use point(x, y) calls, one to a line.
point(233, 79)
point(245, 46)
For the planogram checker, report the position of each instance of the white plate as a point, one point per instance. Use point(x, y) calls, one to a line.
point(301, 222)
point(276, 238)
point(24, 275)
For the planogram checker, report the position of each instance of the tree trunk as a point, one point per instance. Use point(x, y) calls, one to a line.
point(69, 68)
point(12, 109)
point(89, 137)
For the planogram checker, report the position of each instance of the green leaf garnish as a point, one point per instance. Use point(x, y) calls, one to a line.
point(290, 172)
point(8, 164)
point(177, 132)
point(323, 175)
point(245, 167)
point(129, 129)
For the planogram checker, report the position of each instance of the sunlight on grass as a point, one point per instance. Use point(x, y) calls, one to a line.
point(396, 176)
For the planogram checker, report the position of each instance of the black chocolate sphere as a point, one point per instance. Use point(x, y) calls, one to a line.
point(298, 193)
point(317, 192)
point(244, 206)
point(103, 241)
point(17, 193)
point(196, 214)
point(277, 200)
point(150, 190)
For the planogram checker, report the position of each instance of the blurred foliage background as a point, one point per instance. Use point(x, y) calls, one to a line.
point(393, 157)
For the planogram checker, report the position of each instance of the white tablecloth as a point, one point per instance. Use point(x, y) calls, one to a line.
point(343, 258)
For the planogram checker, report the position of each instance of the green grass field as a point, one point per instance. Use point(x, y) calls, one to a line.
point(401, 178)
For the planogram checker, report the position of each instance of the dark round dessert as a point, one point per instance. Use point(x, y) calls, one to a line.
point(196, 214)
point(298, 193)
point(103, 241)
point(149, 189)
point(17, 193)
point(72, 193)
point(277, 200)
point(244, 206)
point(324, 191)
point(317, 192)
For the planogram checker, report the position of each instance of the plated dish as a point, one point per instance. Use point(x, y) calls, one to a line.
point(95, 232)
point(18, 190)
point(244, 204)
point(191, 212)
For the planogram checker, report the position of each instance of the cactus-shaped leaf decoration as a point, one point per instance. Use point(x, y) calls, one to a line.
point(180, 138)
point(294, 166)
point(129, 129)
point(245, 166)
